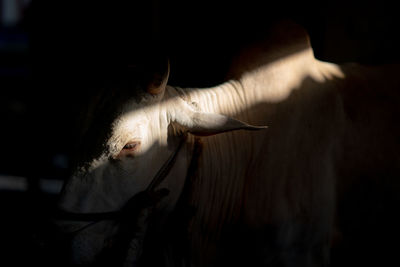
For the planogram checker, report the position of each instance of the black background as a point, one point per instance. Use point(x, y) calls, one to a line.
point(72, 47)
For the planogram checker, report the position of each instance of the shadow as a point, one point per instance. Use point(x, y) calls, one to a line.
point(366, 164)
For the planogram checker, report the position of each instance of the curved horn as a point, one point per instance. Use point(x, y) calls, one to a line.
point(201, 123)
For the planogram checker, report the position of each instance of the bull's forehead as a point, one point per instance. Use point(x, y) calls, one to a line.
point(112, 113)
point(99, 124)
point(138, 121)
point(129, 125)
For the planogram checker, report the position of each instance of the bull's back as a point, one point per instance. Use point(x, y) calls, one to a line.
point(371, 143)
point(368, 165)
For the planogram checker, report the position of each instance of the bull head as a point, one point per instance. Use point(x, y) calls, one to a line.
point(137, 142)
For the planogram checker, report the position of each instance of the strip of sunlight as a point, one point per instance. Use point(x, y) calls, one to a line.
point(50, 186)
point(13, 183)
point(20, 184)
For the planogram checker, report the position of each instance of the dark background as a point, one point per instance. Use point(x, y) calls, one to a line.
point(54, 54)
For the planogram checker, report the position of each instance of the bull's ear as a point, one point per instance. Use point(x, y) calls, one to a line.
point(160, 79)
point(201, 123)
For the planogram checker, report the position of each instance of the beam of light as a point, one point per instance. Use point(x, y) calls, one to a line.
point(21, 184)
point(13, 183)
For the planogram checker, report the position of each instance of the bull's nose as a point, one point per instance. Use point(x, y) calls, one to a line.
point(86, 248)
point(71, 228)
point(86, 239)
point(81, 243)
point(65, 223)
point(51, 246)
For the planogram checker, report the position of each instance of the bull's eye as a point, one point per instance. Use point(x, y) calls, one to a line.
point(129, 149)
point(132, 145)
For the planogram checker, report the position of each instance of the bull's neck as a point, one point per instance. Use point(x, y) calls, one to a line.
point(227, 159)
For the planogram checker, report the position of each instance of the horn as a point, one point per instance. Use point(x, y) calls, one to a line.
point(211, 123)
point(203, 124)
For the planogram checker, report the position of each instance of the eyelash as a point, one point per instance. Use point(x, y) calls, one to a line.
point(131, 145)
point(129, 150)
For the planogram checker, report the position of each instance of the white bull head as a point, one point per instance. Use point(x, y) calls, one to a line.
point(141, 137)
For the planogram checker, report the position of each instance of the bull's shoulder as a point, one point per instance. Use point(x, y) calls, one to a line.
point(369, 89)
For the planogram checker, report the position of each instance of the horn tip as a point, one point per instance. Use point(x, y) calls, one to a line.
point(256, 128)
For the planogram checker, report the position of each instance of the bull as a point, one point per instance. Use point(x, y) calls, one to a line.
point(194, 177)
